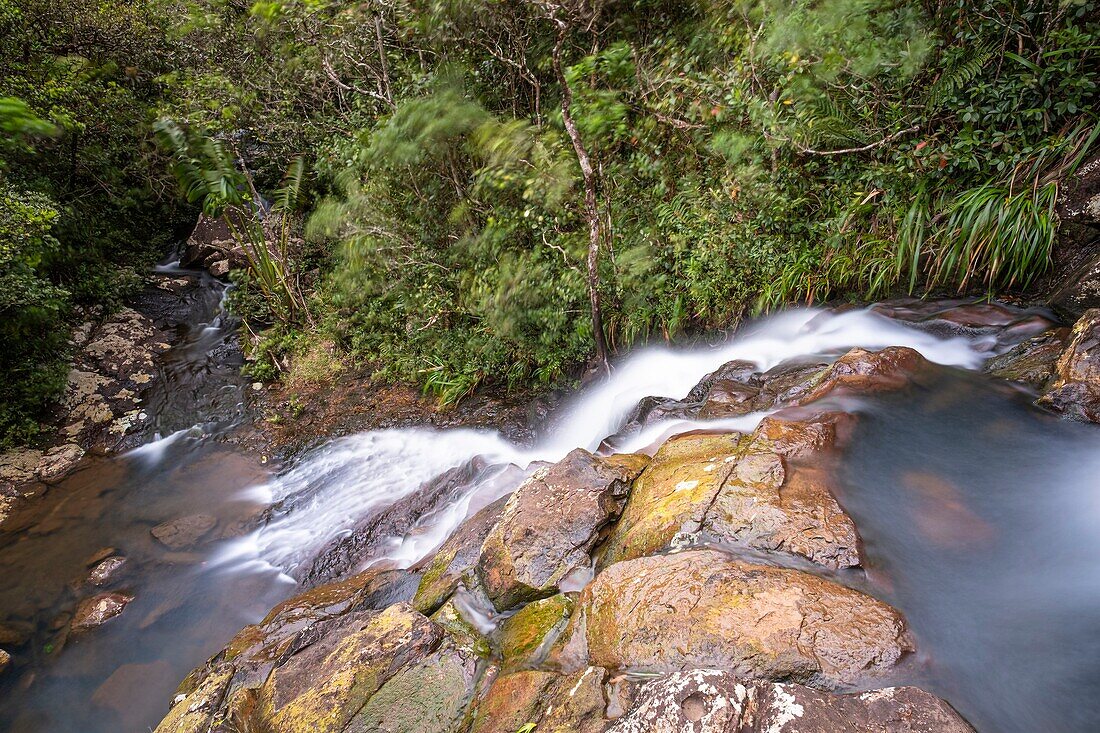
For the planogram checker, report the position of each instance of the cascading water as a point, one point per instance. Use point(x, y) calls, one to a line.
point(330, 491)
point(973, 505)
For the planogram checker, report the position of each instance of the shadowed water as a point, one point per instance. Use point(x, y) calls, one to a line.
point(979, 515)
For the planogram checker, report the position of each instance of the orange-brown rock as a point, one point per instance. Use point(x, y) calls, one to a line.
point(771, 490)
point(702, 608)
point(99, 609)
point(551, 523)
point(1076, 389)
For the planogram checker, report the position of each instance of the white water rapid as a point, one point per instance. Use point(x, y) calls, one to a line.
point(337, 486)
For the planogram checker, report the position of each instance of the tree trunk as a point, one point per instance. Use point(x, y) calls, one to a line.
point(591, 210)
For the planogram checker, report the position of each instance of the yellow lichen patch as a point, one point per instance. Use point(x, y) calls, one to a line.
point(671, 494)
point(522, 635)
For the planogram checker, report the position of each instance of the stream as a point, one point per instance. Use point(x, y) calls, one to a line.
point(977, 509)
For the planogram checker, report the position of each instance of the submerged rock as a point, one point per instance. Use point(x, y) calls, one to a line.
point(1076, 389)
point(551, 523)
point(702, 608)
point(97, 610)
point(5, 661)
point(179, 534)
point(105, 571)
point(717, 701)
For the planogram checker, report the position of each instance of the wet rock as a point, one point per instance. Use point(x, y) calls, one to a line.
point(1078, 237)
point(105, 571)
point(5, 661)
point(430, 697)
point(211, 241)
point(672, 495)
point(525, 635)
point(97, 610)
point(736, 389)
point(997, 322)
point(457, 620)
point(99, 556)
point(179, 534)
point(372, 589)
point(1031, 362)
point(456, 559)
point(770, 491)
point(102, 401)
point(1076, 389)
point(702, 608)
point(348, 552)
point(778, 496)
point(59, 461)
point(551, 523)
point(716, 701)
point(512, 702)
point(549, 701)
point(219, 268)
point(355, 670)
point(860, 371)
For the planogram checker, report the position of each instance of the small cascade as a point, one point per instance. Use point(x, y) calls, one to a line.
point(340, 486)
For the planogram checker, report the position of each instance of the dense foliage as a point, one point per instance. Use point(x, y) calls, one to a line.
point(80, 214)
point(745, 154)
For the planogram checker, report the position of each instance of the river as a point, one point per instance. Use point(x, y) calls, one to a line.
point(978, 512)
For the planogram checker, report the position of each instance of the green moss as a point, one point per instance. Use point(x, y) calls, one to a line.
point(522, 635)
point(461, 631)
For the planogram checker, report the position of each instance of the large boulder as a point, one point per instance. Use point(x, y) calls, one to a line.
point(1076, 389)
point(717, 701)
point(770, 491)
point(329, 669)
point(702, 608)
point(673, 494)
point(551, 523)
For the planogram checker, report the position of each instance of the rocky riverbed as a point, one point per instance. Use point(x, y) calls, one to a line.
point(707, 582)
point(682, 548)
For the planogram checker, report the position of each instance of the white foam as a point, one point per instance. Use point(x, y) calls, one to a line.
point(337, 486)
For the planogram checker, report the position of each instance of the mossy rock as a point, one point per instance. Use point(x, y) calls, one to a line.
point(462, 632)
point(429, 697)
point(455, 561)
point(672, 494)
point(523, 635)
